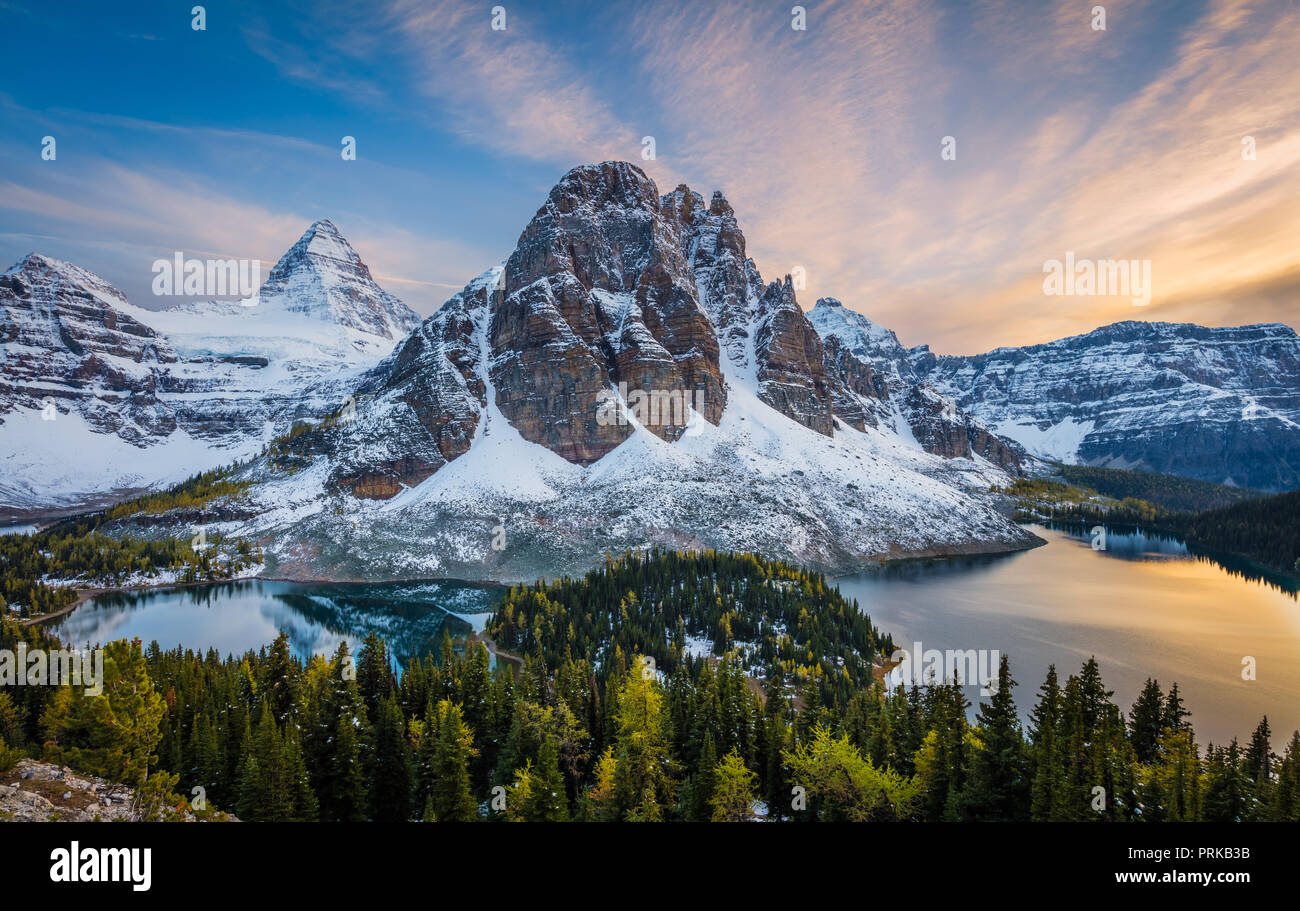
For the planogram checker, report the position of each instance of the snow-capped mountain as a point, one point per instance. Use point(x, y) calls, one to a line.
point(322, 277)
point(1217, 404)
point(100, 397)
point(508, 435)
point(906, 402)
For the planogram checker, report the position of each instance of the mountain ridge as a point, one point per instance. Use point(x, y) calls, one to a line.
point(102, 398)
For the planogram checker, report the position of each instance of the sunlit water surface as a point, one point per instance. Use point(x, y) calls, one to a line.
point(1143, 606)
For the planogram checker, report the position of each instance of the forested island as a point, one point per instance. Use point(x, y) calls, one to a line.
point(659, 687)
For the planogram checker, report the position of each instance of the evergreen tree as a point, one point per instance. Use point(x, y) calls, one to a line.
point(1049, 784)
point(999, 783)
point(1147, 721)
point(452, 800)
point(112, 734)
point(1285, 805)
point(1227, 788)
point(700, 808)
point(274, 786)
point(347, 780)
point(390, 771)
point(642, 780)
point(733, 795)
point(1176, 714)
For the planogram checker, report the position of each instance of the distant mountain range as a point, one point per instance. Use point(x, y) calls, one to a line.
point(626, 378)
point(1219, 405)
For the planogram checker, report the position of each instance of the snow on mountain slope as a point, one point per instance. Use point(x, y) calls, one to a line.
point(756, 481)
point(901, 400)
point(143, 398)
point(875, 344)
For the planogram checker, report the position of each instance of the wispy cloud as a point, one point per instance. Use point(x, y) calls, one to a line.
point(1117, 143)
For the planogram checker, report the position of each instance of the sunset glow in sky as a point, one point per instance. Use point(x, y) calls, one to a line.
point(1122, 143)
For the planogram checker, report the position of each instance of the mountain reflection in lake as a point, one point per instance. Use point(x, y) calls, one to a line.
point(233, 617)
point(1144, 607)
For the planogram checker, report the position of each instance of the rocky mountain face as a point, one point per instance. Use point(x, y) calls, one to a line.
point(598, 294)
point(871, 362)
point(627, 379)
point(612, 292)
point(761, 326)
point(421, 407)
point(1216, 404)
point(100, 397)
point(68, 343)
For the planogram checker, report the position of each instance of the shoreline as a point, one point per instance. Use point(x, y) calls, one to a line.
point(85, 594)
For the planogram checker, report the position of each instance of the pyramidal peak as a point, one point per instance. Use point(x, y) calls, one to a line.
point(323, 277)
point(321, 242)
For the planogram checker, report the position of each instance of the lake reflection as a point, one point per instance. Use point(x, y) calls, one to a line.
point(234, 617)
point(1144, 607)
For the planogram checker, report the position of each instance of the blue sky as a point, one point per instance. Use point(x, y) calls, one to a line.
point(1116, 143)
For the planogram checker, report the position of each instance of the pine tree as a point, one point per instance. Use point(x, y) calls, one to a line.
point(1259, 755)
point(600, 802)
point(390, 770)
point(112, 734)
point(1176, 714)
point(1286, 799)
point(452, 800)
point(1227, 788)
point(999, 783)
point(703, 782)
point(274, 786)
point(642, 782)
point(733, 794)
point(1147, 721)
point(282, 681)
point(374, 672)
point(552, 803)
point(1049, 782)
point(1173, 793)
point(347, 779)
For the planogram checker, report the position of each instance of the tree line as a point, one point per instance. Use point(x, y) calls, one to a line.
point(1263, 529)
point(39, 573)
point(600, 731)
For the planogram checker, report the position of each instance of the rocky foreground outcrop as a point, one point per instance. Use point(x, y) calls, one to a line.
point(42, 792)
